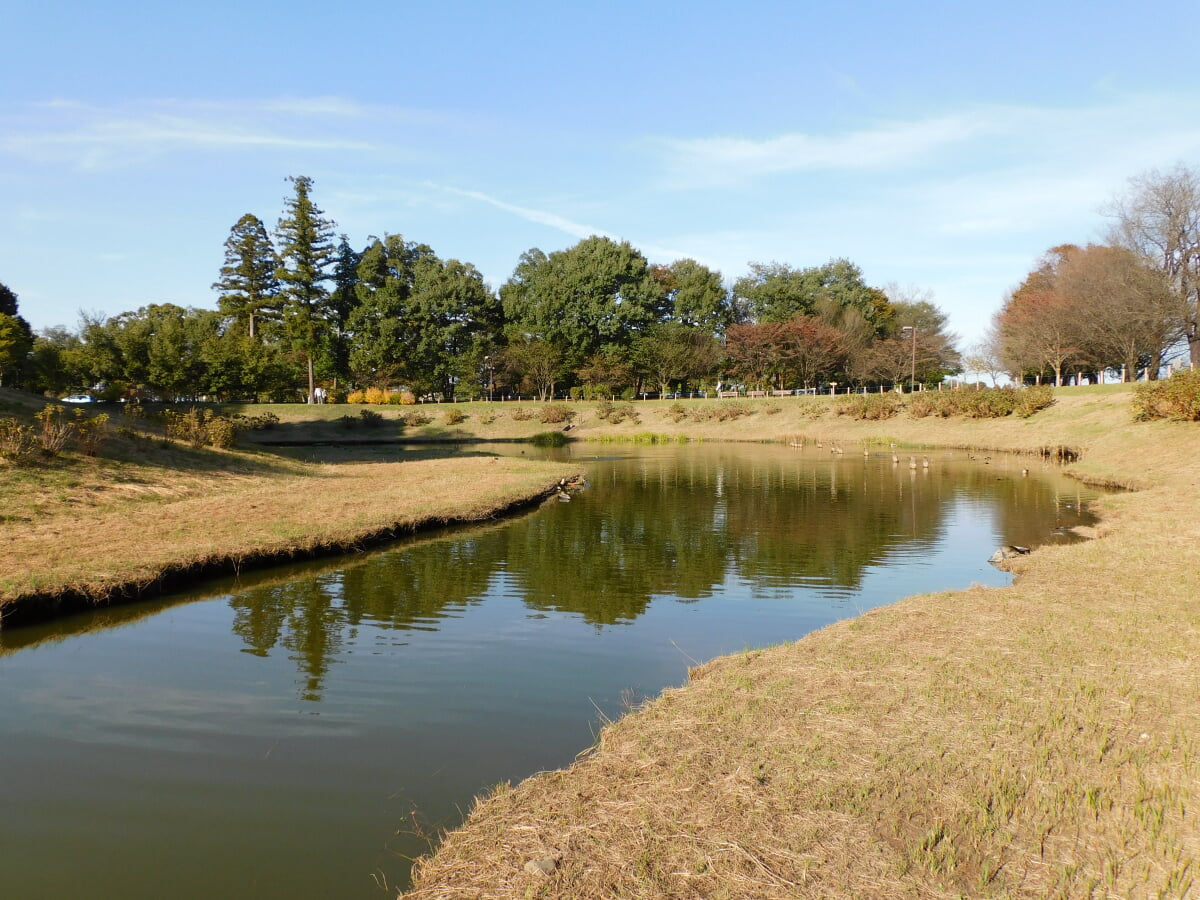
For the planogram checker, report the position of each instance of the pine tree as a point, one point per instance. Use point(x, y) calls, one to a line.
point(306, 250)
point(248, 284)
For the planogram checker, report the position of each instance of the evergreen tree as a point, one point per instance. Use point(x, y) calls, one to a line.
point(8, 301)
point(248, 284)
point(306, 251)
point(342, 302)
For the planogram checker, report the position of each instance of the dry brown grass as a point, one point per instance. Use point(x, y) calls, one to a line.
point(82, 528)
point(1035, 741)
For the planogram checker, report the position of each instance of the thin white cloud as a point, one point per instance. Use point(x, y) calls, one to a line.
point(720, 160)
point(567, 226)
point(89, 137)
point(1123, 129)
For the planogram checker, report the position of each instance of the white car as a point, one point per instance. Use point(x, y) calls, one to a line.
point(78, 398)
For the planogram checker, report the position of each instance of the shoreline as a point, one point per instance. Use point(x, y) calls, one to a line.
point(36, 607)
point(1030, 741)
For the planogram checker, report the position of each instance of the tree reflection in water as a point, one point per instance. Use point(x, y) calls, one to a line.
point(678, 523)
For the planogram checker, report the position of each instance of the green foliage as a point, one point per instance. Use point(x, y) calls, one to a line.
point(1176, 398)
point(872, 407)
point(598, 293)
point(248, 283)
point(369, 418)
point(549, 439)
point(306, 251)
point(16, 341)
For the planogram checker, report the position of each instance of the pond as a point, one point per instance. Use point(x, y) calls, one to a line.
point(305, 732)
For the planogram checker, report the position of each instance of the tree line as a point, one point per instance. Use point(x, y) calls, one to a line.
point(1125, 306)
point(302, 308)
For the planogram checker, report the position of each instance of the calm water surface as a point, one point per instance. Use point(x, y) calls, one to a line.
point(296, 734)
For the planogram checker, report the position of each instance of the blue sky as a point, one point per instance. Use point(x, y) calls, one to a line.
point(937, 146)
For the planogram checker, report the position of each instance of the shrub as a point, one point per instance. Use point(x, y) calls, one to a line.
point(615, 413)
point(556, 413)
point(730, 410)
point(92, 432)
point(199, 427)
point(1176, 398)
point(1031, 399)
point(772, 408)
point(454, 416)
point(871, 407)
point(17, 441)
point(375, 396)
point(355, 397)
point(415, 418)
point(255, 423)
point(407, 398)
point(677, 411)
point(521, 414)
point(53, 432)
point(488, 418)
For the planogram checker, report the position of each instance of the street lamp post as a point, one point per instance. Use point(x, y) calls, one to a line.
point(912, 386)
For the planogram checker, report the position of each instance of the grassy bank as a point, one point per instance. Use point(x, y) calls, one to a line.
point(147, 514)
point(1035, 741)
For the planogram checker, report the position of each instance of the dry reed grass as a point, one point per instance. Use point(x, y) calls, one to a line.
point(1035, 741)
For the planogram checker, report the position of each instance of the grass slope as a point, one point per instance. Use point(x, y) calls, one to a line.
point(1034, 741)
point(146, 513)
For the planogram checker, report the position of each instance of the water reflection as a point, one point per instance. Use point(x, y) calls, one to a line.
point(680, 524)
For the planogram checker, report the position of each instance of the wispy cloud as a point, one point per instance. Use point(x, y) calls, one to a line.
point(541, 217)
point(567, 226)
point(91, 137)
point(722, 160)
point(1119, 129)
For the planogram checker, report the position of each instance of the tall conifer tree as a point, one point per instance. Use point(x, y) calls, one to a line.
point(248, 285)
point(306, 250)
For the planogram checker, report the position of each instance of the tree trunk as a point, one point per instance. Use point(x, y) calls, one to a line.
point(312, 384)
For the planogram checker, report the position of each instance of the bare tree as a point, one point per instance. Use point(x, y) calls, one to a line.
point(1126, 308)
point(1158, 218)
point(985, 356)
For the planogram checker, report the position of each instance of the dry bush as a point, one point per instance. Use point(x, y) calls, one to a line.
point(199, 427)
point(616, 413)
point(1032, 399)
point(1177, 398)
point(556, 413)
point(91, 433)
point(454, 416)
point(870, 407)
point(17, 441)
point(53, 432)
point(415, 418)
point(521, 414)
